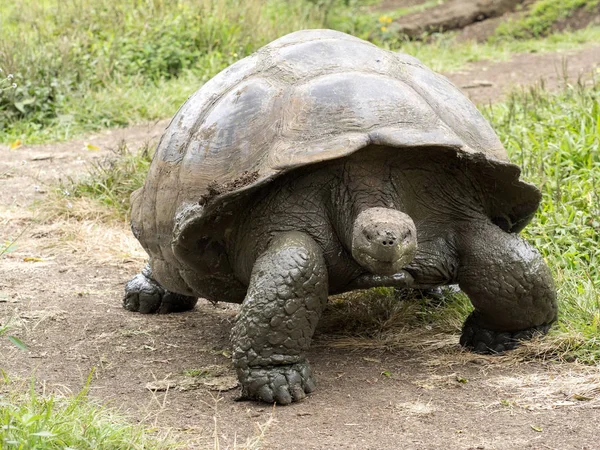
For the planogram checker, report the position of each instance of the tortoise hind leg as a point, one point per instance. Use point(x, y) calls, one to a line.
point(145, 295)
point(510, 286)
point(286, 296)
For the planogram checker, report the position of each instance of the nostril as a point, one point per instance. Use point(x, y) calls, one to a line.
point(380, 236)
point(387, 241)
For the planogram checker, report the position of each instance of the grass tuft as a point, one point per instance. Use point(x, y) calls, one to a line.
point(105, 190)
point(393, 320)
point(37, 421)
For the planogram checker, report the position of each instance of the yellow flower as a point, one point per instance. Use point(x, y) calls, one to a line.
point(16, 144)
point(384, 19)
point(384, 29)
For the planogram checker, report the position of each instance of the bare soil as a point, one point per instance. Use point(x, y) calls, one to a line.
point(451, 15)
point(485, 82)
point(62, 285)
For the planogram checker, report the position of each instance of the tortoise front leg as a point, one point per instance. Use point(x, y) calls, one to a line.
point(286, 296)
point(510, 286)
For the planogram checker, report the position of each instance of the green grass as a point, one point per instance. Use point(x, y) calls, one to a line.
point(29, 420)
point(121, 104)
point(364, 20)
point(540, 17)
point(69, 57)
point(12, 339)
point(555, 138)
point(84, 65)
point(110, 181)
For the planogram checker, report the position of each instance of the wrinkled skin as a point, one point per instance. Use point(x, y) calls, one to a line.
point(300, 238)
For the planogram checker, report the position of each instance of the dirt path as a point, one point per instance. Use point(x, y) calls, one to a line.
point(62, 286)
point(486, 82)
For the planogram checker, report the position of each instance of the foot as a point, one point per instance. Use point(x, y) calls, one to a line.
point(482, 340)
point(145, 295)
point(279, 384)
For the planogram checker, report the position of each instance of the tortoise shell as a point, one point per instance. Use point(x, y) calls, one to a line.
point(308, 97)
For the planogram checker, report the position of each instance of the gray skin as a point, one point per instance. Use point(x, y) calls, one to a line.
point(367, 220)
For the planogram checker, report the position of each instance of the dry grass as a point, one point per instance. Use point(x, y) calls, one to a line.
point(556, 388)
point(417, 408)
point(401, 339)
point(60, 207)
point(255, 442)
point(94, 241)
point(100, 242)
point(259, 440)
point(384, 319)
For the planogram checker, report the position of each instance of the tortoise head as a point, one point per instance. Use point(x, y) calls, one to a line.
point(384, 240)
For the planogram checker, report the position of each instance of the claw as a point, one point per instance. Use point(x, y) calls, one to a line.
point(265, 394)
point(282, 395)
point(298, 393)
point(282, 384)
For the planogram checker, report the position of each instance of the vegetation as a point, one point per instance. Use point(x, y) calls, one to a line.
point(540, 17)
point(555, 138)
point(29, 420)
point(12, 339)
point(99, 63)
point(110, 181)
point(80, 66)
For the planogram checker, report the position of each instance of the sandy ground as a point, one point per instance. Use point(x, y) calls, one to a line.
point(61, 286)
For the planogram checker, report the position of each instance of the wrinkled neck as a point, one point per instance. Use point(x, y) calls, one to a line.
point(362, 184)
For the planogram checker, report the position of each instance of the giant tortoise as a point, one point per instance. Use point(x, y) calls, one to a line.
point(322, 164)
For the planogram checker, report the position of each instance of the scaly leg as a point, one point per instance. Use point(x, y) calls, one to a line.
point(510, 286)
point(286, 296)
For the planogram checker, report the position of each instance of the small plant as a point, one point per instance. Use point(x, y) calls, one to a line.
point(6, 84)
point(14, 340)
point(6, 81)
